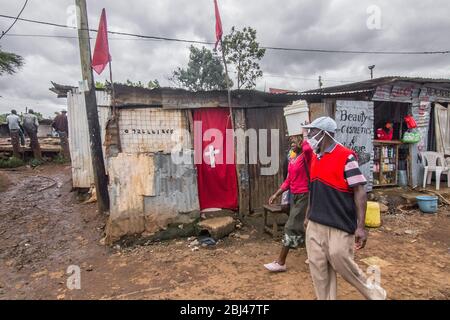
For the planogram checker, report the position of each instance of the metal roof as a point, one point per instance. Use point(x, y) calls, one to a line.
point(371, 85)
point(175, 98)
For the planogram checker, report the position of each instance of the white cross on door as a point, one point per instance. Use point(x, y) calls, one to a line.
point(211, 153)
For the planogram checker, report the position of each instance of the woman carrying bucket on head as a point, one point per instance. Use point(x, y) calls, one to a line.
point(297, 182)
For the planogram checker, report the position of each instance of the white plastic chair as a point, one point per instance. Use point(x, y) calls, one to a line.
point(434, 162)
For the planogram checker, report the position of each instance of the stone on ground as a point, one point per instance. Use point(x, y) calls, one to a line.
point(218, 227)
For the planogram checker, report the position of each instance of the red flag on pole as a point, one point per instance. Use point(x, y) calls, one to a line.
point(101, 52)
point(219, 31)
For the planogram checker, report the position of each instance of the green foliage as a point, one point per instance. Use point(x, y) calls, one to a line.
point(134, 84)
point(35, 163)
point(38, 115)
point(204, 71)
point(9, 62)
point(3, 117)
point(12, 162)
point(243, 51)
point(59, 159)
point(153, 84)
point(100, 85)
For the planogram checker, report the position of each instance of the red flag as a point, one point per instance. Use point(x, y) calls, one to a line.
point(219, 31)
point(216, 174)
point(101, 52)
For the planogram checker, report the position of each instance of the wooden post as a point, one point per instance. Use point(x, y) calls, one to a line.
point(98, 164)
point(242, 168)
point(240, 212)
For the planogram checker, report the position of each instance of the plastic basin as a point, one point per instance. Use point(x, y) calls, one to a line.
point(427, 204)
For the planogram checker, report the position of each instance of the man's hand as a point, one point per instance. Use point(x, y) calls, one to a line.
point(305, 223)
point(360, 238)
point(360, 198)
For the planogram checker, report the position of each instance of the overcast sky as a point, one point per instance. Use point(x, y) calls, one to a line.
point(412, 25)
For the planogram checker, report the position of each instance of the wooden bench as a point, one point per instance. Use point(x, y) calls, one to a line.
point(273, 210)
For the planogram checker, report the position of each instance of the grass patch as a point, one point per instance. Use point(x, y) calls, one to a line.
point(36, 162)
point(59, 159)
point(12, 162)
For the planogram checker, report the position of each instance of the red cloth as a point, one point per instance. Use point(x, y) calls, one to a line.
point(217, 182)
point(382, 135)
point(219, 31)
point(410, 122)
point(297, 179)
point(101, 52)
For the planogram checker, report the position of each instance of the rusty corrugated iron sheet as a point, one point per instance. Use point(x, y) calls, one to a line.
point(176, 192)
point(262, 186)
point(131, 179)
point(148, 192)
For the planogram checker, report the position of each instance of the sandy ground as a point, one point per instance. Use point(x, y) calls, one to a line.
point(44, 229)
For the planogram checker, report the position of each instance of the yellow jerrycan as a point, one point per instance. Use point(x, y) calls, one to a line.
point(373, 216)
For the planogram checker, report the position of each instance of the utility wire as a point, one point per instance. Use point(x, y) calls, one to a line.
point(15, 20)
point(110, 32)
point(264, 47)
point(73, 37)
point(268, 75)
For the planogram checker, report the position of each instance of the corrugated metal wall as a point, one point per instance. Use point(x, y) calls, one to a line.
point(147, 189)
point(262, 187)
point(175, 190)
point(80, 151)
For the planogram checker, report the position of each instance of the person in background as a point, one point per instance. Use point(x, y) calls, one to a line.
point(335, 219)
point(31, 125)
point(385, 133)
point(297, 183)
point(13, 122)
point(61, 126)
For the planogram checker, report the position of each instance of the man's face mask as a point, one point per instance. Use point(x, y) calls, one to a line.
point(315, 143)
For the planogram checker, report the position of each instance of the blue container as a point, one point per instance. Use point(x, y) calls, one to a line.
point(427, 204)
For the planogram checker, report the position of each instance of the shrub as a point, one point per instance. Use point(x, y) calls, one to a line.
point(12, 162)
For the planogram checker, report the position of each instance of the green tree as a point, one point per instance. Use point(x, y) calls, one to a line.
point(134, 84)
point(204, 72)
point(243, 51)
point(38, 115)
point(9, 62)
point(100, 85)
point(153, 84)
point(3, 117)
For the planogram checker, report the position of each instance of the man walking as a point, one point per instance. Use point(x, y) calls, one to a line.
point(61, 125)
point(31, 125)
point(13, 122)
point(336, 215)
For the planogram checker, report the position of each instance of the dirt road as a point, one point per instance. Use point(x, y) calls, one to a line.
point(44, 229)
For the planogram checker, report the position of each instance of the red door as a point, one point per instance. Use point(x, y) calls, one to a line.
point(214, 158)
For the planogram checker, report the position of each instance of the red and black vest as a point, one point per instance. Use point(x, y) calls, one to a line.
point(332, 203)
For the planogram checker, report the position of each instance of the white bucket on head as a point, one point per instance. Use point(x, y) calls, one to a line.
point(296, 114)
